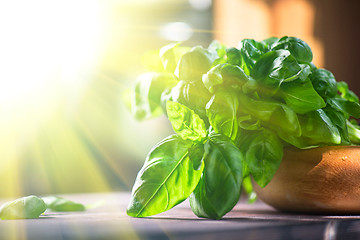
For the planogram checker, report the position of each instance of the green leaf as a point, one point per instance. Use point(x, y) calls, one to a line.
point(316, 129)
point(324, 83)
point(219, 188)
point(212, 79)
point(186, 123)
point(248, 187)
point(23, 208)
point(345, 93)
point(251, 51)
point(166, 179)
point(234, 76)
point(274, 115)
point(297, 47)
point(196, 153)
point(354, 132)
point(60, 204)
point(194, 64)
point(233, 56)
point(263, 154)
point(273, 68)
point(146, 98)
point(221, 111)
point(348, 107)
point(193, 95)
point(301, 96)
point(171, 54)
point(338, 118)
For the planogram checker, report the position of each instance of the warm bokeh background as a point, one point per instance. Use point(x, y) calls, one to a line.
point(64, 65)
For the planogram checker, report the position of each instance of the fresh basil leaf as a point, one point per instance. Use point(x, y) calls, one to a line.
point(324, 83)
point(272, 69)
point(354, 132)
point(263, 154)
point(23, 208)
point(297, 47)
point(274, 115)
point(221, 111)
point(219, 188)
point(348, 107)
point(193, 64)
point(248, 122)
point(301, 96)
point(268, 42)
point(60, 204)
point(218, 47)
point(234, 76)
point(251, 51)
point(171, 54)
point(193, 95)
point(146, 99)
point(212, 79)
point(196, 153)
point(233, 56)
point(345, 93)
point(338, 118)
point(166, 179)
point(185, 122)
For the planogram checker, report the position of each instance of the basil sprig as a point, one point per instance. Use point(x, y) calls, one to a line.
point(233, 111)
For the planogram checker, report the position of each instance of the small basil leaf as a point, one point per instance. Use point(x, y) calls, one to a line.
point(192, 95)
point(297, 47)
point(219, 188)
point(212, 79)
point(274, 115)
point(186, 123)
point(23, 208)
point(354, 132)
point(274, 68)
point(338, 118)
point(247, 122)
point(221, 111)
point(345, 93)
point(166, 179)
point(301, 96)
point(251, 51)
point(263, 154)
point(324, 83)
point(233, 56)
point(59, 204)
point(146, 99)
point(247, 185)
point(193, 64)
point(348, 107)
point(234, 76)
point(171, 54)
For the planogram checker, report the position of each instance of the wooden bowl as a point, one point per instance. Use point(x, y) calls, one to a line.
point(324, 180)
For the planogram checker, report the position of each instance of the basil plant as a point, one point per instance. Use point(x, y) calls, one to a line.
point(233, 111)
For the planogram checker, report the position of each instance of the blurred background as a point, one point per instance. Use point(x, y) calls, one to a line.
point(64, 65)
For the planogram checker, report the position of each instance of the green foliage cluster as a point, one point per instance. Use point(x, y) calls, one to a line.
point(233, 111)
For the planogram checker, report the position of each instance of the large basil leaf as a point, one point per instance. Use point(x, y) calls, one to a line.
point(273, 68)
point(297, 47)
point(146, 99)
point(171, 54)
point(194, 64)
point(221, 111)
point(324, 83)
point(263, 151)
point(185, 122)
point(219, 188)
point(166, 179)
point(274, 115)
point(301, 96)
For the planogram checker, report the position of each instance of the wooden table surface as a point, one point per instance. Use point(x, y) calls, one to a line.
point(109, 221)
